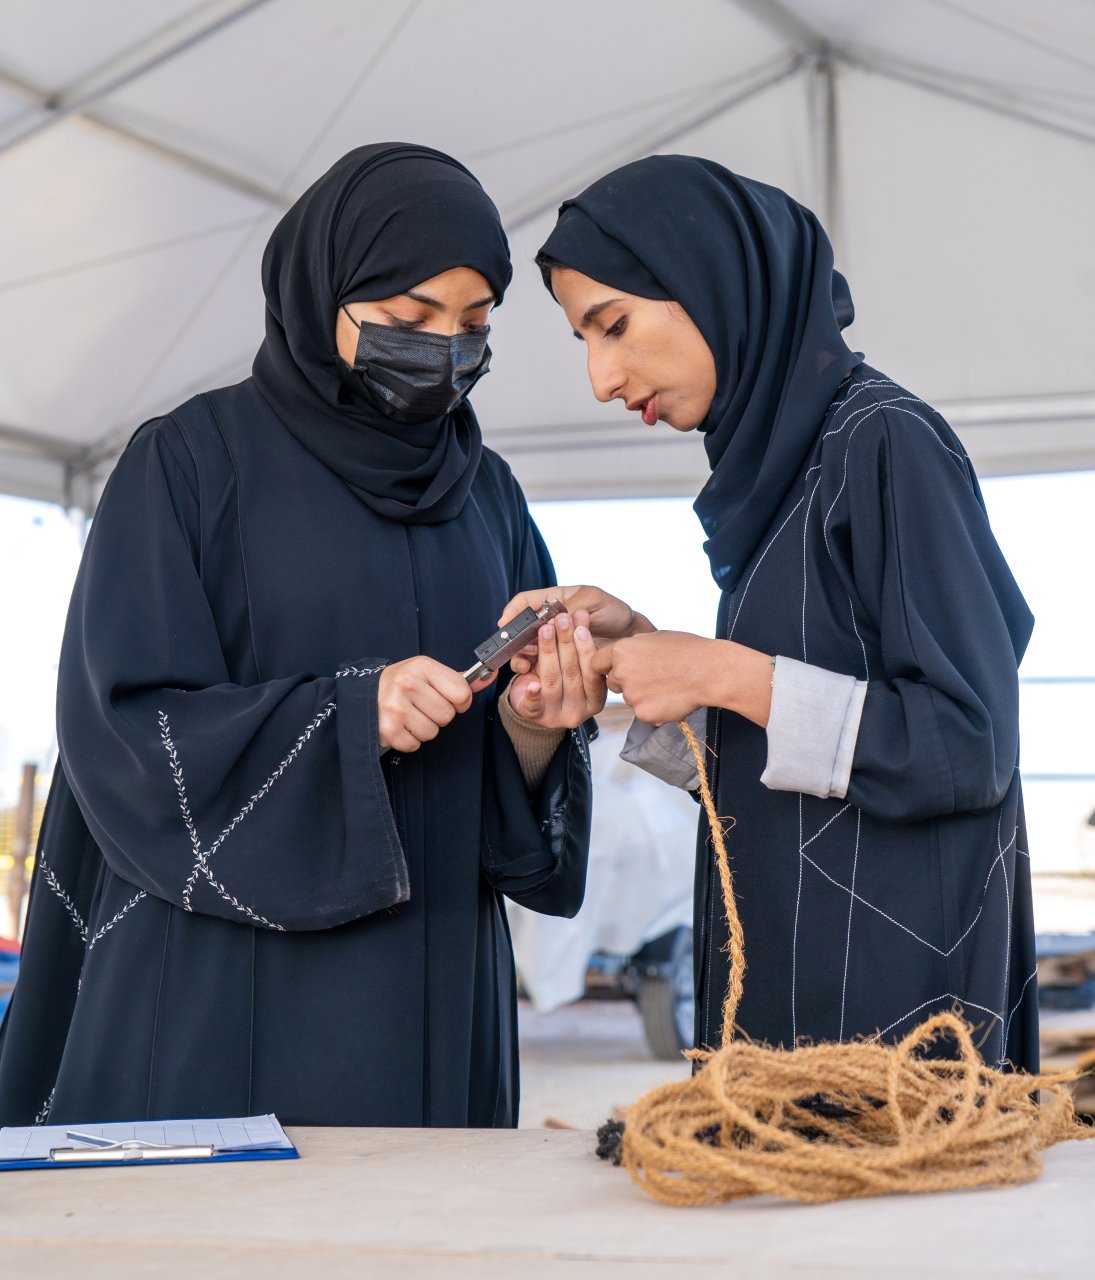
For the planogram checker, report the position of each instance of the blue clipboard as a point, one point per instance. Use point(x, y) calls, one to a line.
point(144, 1142)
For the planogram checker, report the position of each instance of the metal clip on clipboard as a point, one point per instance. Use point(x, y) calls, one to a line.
point(102, 1150)
point(511, 639)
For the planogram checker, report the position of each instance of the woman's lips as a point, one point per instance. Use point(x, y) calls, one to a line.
point(648, 408)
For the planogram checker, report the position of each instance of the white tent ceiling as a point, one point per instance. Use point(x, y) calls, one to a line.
point(148, 146)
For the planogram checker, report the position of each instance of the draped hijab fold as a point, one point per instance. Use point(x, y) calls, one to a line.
point(753, 269)
point(382, 220)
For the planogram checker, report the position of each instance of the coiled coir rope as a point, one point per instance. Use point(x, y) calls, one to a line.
point(834, 1121)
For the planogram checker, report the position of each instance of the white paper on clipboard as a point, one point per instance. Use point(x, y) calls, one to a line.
point(244, 1133)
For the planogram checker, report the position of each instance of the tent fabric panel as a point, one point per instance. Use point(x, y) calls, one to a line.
point(967, 243)
point(129, 274)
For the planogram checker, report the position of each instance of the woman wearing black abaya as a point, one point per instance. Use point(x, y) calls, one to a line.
point(862, 693)
point(270, 870)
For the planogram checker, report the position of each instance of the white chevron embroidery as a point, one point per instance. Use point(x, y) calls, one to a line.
point(43, 1111)
point(70, 906)
point(202, 856)
point(114, 919)
point(106, 928)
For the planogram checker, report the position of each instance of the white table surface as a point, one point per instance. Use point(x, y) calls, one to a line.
point(530, 1203)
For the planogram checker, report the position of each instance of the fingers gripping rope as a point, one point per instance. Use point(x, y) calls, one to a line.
point(836, 1121)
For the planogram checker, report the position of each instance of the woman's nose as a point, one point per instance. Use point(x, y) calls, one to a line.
point(447, 326)
point(606, 378)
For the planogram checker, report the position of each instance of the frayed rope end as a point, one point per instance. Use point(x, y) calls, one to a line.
point(610, 1137)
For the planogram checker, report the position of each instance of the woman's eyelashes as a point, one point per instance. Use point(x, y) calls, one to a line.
point(399, 322)
point(617, 330)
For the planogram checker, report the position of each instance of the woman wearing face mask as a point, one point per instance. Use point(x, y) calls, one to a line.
point(860, 702)
point(270, 871)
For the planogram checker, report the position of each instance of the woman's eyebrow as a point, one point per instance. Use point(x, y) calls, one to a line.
point(425, 299)
point(596, 310)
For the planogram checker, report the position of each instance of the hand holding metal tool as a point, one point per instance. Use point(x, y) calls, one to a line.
point(508, 641)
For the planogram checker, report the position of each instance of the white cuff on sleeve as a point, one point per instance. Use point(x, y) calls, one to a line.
point(812, 729)
point(664, 751)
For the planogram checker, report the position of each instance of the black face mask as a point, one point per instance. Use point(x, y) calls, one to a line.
point(413, 376)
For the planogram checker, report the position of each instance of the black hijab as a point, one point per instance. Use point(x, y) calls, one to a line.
point(381, 220)
point(754, 271)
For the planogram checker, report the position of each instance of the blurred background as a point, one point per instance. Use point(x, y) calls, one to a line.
point(147, 148)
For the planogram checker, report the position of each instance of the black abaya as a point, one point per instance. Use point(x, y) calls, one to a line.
point(848, 533)
point(238, 906)
point(865, 915)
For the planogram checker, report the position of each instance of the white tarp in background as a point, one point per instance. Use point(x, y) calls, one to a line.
point(148, 146)
point(642, 857)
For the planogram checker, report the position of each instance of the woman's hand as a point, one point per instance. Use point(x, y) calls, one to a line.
point(608, 619)
point(417, 697)
point(667, 675)
point(563, 690)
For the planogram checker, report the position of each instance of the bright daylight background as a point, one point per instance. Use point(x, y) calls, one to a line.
point(648, 551)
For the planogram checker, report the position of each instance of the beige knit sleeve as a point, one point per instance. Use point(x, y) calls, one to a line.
point(533, 743)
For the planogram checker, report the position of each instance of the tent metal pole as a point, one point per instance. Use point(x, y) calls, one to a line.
point(77, 99)
point(830, 142)
point(126, 133)
point(650, 140)
point(161, 47)
point(974, 93)
point(41, 446)
point(196, 164)
point(784, 23)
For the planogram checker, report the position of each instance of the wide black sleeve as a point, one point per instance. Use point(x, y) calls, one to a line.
point(940, 726)
point(264, 804)
point(535, 849)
